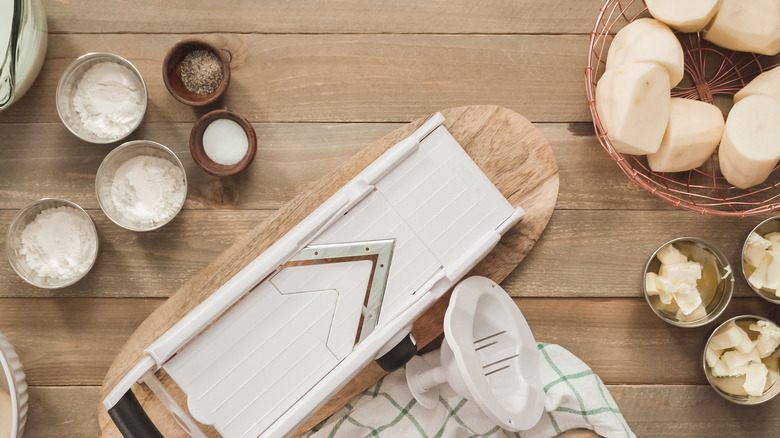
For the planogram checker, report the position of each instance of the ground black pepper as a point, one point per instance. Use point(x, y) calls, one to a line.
point(201, 72)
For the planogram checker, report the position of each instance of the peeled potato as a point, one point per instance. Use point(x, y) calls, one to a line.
point(767, 84)
point(693, 133)
point(647, 40)
point(747, 25)
point(684, 15)
point(750, 147)
point(632, 101)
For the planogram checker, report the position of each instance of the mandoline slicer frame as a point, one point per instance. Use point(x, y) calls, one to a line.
point(342, 288)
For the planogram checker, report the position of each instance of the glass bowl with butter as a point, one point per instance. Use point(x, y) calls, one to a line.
point(688, 282)
point(742, 360)
point(761, 259)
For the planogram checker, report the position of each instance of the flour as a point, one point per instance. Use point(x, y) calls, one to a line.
point(59, 244)
point(109, 100)
point(148, 191)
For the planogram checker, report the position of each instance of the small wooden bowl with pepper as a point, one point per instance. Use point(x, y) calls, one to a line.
point(196, 72)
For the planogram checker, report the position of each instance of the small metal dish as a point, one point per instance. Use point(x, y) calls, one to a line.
point(13, 243)
point(107, 171)
point(171, 72)
point(768, 226)
point(68, 84)
point(716, 285)
point(199, 154)
point(744, 321)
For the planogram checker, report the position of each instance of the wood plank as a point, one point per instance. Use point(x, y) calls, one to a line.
point(73, 341)
point(157, 263)
point(650, 410)
point(62, 411)
point(42, 161)
point(364, 78)
point(280, 16)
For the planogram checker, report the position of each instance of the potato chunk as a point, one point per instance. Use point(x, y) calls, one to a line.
point(684, 15)
point(648, 40)
point(747, 25)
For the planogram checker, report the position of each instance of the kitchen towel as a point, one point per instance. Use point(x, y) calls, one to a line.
point(575, 398)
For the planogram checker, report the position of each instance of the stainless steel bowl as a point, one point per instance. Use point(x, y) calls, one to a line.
point(716, 385)
point(14, 383)
point(68, 84)
point(107, 171)
point(716, 285)
point(13, 243)
point(768, 226)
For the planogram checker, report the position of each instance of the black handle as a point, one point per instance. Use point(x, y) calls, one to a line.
point(399, 355)
point(131, 419)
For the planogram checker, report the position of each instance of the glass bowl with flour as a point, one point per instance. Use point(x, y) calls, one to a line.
point(52, 243)
point(141, 185)
point(101, 97)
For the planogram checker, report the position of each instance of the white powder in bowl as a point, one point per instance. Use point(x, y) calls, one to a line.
point(59, 244)
point(148, 191)
point(109, 100)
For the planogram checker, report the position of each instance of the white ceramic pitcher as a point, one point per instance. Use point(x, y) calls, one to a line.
point(23, 38)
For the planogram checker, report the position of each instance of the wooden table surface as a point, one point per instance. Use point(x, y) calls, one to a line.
point(319, 80)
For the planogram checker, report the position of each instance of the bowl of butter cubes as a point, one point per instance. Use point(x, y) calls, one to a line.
point(761, 259)
point(688, 282)
point(741, 360)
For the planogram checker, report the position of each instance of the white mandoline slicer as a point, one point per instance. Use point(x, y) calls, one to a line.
point(341, 289)
point(489, 356)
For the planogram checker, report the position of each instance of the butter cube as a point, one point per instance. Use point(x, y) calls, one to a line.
point(687, 298)
point(773, 272)
point(687, 272)
point(733, 385)
point(759, 276)
point(712, 356)
point(774, 240)
point(721, 369)
point(735, 359)
point(729, 336)
point(755, 379)
point(669, 255)
point(756, 248)
point(766, 345)
point(650, 286)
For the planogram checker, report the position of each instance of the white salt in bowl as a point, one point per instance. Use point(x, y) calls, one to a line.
point(14, 383)
point(68, 84)
point(107, 172)
point(13, 243)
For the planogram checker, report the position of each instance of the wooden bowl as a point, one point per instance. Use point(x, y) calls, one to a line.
point(172, 72)
point(199, 153)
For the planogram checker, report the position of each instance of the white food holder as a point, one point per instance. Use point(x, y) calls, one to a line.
point(15, 383)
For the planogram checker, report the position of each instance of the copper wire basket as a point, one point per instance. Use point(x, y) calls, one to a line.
point(712, 74)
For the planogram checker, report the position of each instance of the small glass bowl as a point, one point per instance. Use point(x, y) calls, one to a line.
point(107, 171)
point(68, 84)
point(14, 238)
point(738, 399)
point(768, 226)
point(715, 295)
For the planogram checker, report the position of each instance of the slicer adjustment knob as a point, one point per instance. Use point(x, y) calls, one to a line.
point(398, 355)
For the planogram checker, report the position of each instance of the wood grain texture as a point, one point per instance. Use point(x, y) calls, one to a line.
point(508, 149)
point(73, 341)
point(341, 78)
point(366, 16)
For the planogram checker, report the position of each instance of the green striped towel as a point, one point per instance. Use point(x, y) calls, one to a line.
point(575, 398)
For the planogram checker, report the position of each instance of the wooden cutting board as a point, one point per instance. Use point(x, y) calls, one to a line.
point(505, 145)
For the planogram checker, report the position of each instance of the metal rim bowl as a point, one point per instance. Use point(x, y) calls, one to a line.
point(708, 255)
point(738, 399)
point(66, 89)
point(14, 382)
point(13, 241)
point(105, 177)
point(766, 226)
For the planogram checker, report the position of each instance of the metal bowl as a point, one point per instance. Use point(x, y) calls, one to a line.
point(107, 171)
point(713, 381)
point(14, 383)
point(13, 243)
point(68, 84)
point(768, 226)
point(716, 294)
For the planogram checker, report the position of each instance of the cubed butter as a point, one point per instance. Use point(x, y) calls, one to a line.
point(759, 276)
point(721, 369)
point(755, 249)
point(733, 385)
point(734, 358)
point(729, 336)
point(669, 255)
point(755, 379)
point(687, 298)
point(687, 272)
